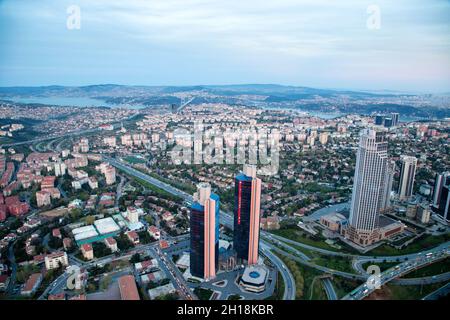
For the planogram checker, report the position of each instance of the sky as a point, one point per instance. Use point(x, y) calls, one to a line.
point(315, 43)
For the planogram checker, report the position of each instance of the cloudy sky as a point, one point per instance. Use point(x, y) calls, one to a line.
point(315, 43)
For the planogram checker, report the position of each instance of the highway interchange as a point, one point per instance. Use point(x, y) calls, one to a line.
point(267, 247)
point(269, 244)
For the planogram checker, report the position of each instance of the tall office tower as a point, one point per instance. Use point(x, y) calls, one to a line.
point(388, 122)
point(439, 184)
point(395, 119)
point(369, 187)
point(379, 120)
point(407, 176)
point(442, 197)
point(204, 233)
point(386, 203)
point(444, 203)
point(247, 200)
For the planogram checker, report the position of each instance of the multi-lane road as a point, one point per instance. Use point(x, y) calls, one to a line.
point(399, 270)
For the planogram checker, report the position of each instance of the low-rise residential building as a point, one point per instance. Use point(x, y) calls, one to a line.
point(128, 289)
point(111, 243)
point(87, 251)
point(55, 260)
point(32, 284)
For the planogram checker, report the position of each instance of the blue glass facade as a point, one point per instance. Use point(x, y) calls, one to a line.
point(242, 203)
point(197, 224)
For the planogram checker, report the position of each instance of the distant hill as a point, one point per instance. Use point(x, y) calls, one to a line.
point(259, 95)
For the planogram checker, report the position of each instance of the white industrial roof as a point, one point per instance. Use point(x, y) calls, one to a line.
point(156, 292)
point(86, 235)
point(83, 229)
point(106, 225)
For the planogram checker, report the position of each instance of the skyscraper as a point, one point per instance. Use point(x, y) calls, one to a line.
point(386, 203)
point(439, 184)
point(204, 233)
point(247, 201)
point(395, 119)
point(369, 187)
point(441, 196)
point(407, 176)
point(379, 120)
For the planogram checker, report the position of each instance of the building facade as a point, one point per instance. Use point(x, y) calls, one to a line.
point(204, 222)
point(407, 177)
point(369, 188)
point(247, 215)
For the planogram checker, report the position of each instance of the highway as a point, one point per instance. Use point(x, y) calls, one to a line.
point(329, 289)
point(225, 219)
point(399, 270)
point(288, 278)
point(439, 293)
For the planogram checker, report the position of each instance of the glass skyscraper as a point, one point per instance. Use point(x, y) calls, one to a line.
point(204, 223)
point(247, 199)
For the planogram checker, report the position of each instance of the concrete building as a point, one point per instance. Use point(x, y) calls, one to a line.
point(110, 175)
point(254, 278)
point(423, 213)
point(87, 251)
point(55, 260)
point(32, 284)
point(60, 168)
point(407, 177)
point(132, 215)
point(43, 198)
point(111, 243)
point(333, 222)
point(247, 215)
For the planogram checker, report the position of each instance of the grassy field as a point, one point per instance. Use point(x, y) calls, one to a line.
point(335, 263)
point(134, 160)
point(396, 292)
point(304, 278)
point(343, 286)
point(436, 268)
point(300, 236)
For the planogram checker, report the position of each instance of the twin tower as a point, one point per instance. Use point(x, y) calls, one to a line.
point(204, 223)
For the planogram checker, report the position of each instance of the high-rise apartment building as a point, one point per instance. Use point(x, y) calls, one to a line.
point(407, 176)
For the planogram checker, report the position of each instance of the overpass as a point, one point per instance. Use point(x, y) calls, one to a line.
point(400, 270)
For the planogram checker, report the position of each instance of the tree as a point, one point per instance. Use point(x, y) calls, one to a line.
point(135, 258)
point(89, 220)
point(105, 282)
